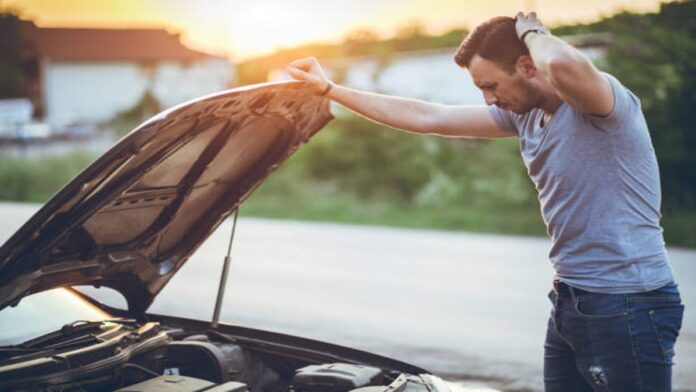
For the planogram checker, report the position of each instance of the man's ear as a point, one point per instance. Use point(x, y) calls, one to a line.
point(525, 66)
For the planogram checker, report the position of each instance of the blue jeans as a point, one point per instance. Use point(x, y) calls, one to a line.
point(612, 342)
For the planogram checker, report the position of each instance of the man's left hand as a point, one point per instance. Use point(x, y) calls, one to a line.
point(525, 23)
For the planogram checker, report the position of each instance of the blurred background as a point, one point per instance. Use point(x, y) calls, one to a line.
point(76, 75)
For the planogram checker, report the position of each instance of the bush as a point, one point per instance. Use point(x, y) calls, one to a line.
point(35, 180)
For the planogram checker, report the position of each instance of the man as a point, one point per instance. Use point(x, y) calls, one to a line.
point(616, 309)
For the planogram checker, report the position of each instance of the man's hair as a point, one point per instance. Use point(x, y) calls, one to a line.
point(495, 40)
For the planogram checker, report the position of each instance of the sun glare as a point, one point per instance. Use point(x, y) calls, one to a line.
point(244, 29)
point(265, 27)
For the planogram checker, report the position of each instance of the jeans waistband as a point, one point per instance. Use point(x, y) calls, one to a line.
point(563, 289)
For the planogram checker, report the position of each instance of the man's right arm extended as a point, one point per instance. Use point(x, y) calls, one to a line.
point(403, 113)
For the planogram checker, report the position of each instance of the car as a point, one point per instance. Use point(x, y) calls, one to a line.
point(128, 222)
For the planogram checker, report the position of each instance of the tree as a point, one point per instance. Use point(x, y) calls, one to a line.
point(11, 44)
point(655, 56)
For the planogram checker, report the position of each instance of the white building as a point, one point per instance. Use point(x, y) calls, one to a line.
point(94, 74)
point(431, 75)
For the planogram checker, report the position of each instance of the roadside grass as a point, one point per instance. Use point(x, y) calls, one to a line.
point(317, 201)
point(37, 179)
point(321, 202)
point(291, 194)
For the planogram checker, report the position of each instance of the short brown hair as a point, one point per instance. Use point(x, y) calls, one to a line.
point(495, 40)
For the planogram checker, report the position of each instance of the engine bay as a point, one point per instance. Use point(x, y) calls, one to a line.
point(127, 356)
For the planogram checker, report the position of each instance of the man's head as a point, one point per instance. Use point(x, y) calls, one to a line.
point(500, 65)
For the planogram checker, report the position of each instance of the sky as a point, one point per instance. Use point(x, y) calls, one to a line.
point(246, 29)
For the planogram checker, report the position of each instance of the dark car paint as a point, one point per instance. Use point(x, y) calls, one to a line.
point(302, 348)
point(277, 343)
point(132, 218)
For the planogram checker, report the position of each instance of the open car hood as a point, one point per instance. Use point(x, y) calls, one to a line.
point(132, 218)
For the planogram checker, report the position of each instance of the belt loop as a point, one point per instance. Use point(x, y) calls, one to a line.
point(573, 294)
point(560, 288)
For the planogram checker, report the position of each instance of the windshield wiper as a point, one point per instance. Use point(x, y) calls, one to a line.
point(39, 343)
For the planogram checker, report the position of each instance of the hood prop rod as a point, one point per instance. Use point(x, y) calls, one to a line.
point(223, 276)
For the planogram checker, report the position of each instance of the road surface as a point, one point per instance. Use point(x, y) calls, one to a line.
point(469, 307)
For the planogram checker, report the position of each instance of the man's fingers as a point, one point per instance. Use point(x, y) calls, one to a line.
point(295, 72)
point(304, 61)
point(304, 64)
point(308, 70)
point(312, 79)
point(298, 73)
point(300, 66)
point(533, 15)
point(302, 75)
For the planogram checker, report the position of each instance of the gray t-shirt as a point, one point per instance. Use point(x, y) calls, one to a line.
point(599, 190)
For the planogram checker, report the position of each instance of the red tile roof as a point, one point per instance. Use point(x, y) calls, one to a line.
point(88, 44)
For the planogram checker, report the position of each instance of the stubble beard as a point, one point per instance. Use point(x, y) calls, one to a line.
point(532, 98)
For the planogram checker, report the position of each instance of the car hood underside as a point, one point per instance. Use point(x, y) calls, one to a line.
point(131, 219)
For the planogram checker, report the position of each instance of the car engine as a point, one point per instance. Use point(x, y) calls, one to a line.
point(122, 355)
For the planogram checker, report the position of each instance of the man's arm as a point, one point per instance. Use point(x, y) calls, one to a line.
point(406, 114)
point(573, 75)
point(419, 116)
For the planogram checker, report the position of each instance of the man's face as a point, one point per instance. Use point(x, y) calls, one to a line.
point(513, 92)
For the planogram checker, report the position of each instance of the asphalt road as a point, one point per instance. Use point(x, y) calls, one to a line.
point(465, 306)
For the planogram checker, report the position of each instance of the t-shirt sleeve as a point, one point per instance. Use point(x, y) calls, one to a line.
point(504, 120)
point(626, 106)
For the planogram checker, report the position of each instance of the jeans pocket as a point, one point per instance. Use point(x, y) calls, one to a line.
point(600, 306)
point(666, 323)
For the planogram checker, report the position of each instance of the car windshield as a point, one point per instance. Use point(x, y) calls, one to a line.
point(44, 312)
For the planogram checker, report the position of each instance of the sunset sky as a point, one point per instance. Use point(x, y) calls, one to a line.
point(244, 29)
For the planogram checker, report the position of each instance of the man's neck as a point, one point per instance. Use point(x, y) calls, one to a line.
point(550, 101)
point(550, 104)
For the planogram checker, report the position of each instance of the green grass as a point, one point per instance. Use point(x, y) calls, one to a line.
point(287, 197)
point(291, 194)
point(36, 180)
point(286, 194)
point(680, 228)
point(322, 203)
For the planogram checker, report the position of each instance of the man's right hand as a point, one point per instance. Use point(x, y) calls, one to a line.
point(309, 70)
